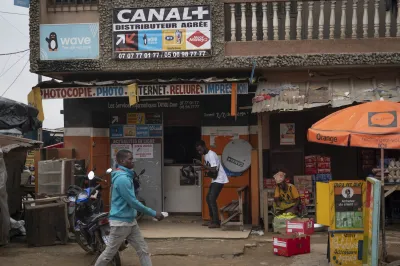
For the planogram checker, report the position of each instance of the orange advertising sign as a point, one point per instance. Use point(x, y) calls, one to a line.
point(376, 141)
point(328, 137)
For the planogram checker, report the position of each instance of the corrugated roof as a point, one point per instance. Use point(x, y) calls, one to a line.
point(286, 96)
point(54, 83)
point(8, 143)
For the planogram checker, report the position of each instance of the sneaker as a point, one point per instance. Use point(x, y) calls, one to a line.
point(206, 223)
point(213, 226)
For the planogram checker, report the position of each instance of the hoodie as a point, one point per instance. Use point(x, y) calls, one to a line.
point(124, 204)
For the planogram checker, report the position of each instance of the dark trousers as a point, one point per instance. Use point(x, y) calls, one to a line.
point(212, 195)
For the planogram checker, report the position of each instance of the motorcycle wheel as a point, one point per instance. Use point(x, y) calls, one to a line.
point(82, 242)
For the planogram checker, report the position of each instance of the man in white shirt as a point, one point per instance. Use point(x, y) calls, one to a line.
point(215, 171)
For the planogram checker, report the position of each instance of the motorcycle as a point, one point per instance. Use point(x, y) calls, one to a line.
point(91, 226)
point(89, 222)
point(136, 184)
point(95, 203)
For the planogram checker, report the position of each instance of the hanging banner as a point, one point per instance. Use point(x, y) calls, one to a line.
point(162, 32)
point(35, 100)
point(147, 90)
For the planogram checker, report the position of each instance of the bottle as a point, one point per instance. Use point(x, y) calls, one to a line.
point(178, 36)
point(145, 39)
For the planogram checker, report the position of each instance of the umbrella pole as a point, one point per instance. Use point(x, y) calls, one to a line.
point(383, 216)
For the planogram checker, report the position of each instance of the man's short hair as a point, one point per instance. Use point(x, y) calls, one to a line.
point(200, 143)
point(122, 154)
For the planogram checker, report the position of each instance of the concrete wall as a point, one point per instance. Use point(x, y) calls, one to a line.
point(219, 60)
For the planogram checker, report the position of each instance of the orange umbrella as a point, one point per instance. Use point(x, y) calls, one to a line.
point(370, 125)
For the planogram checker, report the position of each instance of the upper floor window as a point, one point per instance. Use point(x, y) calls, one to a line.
point(73, 2)
point(72, 5)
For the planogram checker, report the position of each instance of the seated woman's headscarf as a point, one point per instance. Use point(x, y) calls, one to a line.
point(279, 177)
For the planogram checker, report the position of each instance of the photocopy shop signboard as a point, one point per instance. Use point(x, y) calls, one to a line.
point(144, 90)
point(156, 33)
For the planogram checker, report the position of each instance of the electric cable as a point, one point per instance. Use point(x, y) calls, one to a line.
point(3, 73)
point(12, 25)
point(17, 52)
point(13, 13)
point(4, 66)
point(19, 74)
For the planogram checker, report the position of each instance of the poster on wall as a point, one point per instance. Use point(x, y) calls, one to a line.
point(348, 205)
point(346, 248)
point(287, 134)
point(115, 148)
point(130, 131)
point(69, 41)
point(135, 118)
point(143, 151)
point(162, 32)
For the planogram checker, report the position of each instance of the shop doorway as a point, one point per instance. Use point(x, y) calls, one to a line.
point(181, 195)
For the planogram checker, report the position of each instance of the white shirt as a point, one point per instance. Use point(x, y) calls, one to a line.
point(212, 160)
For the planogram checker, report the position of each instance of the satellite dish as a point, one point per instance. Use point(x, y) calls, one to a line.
point(236, 156)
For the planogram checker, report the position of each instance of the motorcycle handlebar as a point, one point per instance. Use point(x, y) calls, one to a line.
point(93, 191)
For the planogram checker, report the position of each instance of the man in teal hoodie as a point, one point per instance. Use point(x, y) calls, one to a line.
point(123, 213)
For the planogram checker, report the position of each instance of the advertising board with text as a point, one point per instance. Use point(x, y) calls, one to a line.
point(162, 32)
point(144, 90)
point(69, 41)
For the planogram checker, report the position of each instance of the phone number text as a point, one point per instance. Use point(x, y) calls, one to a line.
point(161, 55)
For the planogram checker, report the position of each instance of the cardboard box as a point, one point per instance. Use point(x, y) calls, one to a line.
point(301, 226)
point(324, 165)
point(305, 196)
point(311, 171)
point(323, 159)
point(310, 159)
point(303, 182)
point(290, 245)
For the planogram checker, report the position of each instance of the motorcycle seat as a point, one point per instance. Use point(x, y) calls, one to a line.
point(98, 216)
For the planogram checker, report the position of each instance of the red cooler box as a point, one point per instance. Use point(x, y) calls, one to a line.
point(300, 225)
point(290, 245)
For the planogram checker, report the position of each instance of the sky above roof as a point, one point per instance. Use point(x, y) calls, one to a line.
point(14, 32)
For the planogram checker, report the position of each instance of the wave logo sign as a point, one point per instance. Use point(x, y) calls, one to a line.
point(198, 39)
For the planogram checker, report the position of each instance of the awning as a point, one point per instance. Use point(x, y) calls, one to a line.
point(8, 143)
point(288, 96)
point(56, 84)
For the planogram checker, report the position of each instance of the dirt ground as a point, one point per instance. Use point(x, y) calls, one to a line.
point(186, 252)
point(249, 252)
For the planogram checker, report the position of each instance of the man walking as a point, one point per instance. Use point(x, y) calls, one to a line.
point(123, 213)
point(215, 171)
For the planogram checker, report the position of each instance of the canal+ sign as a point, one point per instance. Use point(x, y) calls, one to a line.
point(144, 90)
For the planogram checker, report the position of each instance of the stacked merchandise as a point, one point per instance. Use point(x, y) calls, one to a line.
point(319, 167)
point(368, 160)
point(391, 171)
point(304, 185)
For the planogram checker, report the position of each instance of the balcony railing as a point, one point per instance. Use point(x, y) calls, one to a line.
point(257, 20)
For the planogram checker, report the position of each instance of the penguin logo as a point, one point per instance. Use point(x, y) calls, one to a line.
point(145, 39)
point(52, 41)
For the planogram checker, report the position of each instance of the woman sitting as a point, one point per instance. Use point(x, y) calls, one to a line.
point(286, 198)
